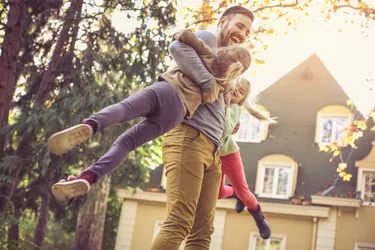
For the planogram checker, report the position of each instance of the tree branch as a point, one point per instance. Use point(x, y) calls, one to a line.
point(367, 10)
point(56, 56)
point(200, 21)
point(277, 6)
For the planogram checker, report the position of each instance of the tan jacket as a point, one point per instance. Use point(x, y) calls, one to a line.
point(190, 93)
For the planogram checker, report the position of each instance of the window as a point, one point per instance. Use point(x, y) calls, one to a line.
point(364, 246)
point(273, 243)
point(251, 129)
point(276, 177)
point(331, 123)
point(332, 129)
point(157, 228)
point(276, 181)
point(366, 180)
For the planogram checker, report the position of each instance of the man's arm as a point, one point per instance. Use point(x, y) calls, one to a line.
point(188, 37)
point(189, 62)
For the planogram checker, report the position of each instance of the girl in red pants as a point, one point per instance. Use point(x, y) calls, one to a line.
point(231, 159)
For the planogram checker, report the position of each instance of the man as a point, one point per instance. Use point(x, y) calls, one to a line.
point(190, 151)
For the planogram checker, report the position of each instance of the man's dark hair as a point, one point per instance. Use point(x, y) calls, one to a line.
point(238, 10)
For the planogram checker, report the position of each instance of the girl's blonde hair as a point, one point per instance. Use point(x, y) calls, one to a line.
point(250, 104)
point(230, 63)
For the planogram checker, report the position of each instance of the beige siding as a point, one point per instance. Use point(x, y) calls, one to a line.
point(147, 215)
point(298, 230)
point(351, 230)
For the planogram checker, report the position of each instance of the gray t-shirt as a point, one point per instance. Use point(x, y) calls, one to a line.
point(208, 118)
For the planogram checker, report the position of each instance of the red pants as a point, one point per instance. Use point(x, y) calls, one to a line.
point(231, 166)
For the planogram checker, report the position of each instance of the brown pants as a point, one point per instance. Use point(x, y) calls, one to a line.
point(193, 171)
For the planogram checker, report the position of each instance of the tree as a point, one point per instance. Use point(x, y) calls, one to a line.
point(59, 85)
point(8, 68)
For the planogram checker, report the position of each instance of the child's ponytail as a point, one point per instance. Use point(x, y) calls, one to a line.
point(258, 114)
point(233, 72)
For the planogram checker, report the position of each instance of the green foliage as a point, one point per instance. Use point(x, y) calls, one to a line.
point(98, 66)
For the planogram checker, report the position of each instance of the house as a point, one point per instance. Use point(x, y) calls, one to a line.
point(307, 205)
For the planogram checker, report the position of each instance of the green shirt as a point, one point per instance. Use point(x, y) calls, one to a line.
point(232, 116)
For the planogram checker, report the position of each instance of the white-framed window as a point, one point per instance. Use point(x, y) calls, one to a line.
point(251, 129)
point(276, 176)
point(366, 185)
point(157, 227)
point(364, 246)
point(275, 242)
point(276, 180)
point(332, 128)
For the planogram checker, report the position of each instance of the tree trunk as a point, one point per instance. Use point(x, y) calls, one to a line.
point(91, 217)
point(44, 211)
point(49, 75)
point(13, 231)
point(8, 69)
point(48, 78)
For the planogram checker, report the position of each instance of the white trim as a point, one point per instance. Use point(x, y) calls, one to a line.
point(276, 166)
point(229, 204)
point(126, 225)
point(219, 225)
point(163, 181)
point(335, 201)
point(359, 245)
point(326, 233)
point(361, 185)
point(252, 240)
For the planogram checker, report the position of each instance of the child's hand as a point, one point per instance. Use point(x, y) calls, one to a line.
point(227, 98)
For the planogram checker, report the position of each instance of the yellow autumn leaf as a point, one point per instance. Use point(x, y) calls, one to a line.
point(323, 148)
point(343, 165)
point(336, 153)
point(349, 102)
point(342, 174)
point(347, 177)
point(259, 61)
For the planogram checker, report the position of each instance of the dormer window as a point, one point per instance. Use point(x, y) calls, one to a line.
point(331, 123)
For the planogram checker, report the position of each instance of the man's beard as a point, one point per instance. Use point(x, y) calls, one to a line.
point(226, 37)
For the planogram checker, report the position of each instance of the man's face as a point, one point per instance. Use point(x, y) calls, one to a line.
point(234, 30)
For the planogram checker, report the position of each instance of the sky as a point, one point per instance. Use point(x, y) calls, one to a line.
point(344, 49)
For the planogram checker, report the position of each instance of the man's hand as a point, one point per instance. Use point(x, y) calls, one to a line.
point(208, 96)
point(236, 128)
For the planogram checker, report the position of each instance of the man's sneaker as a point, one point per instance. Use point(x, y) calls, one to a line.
point(68, 189)
point(59, 143)
point(260, 220)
